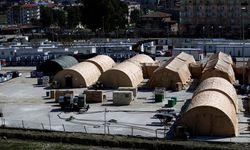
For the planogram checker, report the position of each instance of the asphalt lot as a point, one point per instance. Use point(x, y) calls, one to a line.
point(24, 104)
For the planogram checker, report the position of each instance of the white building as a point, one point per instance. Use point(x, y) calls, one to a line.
point(28, 12)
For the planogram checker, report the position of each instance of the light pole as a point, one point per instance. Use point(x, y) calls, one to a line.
point(220, 28)
point(204, 44)
point(243, 9)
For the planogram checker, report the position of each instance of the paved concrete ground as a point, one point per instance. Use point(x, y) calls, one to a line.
point(24, 105)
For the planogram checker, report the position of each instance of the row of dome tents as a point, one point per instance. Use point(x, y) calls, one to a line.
point(130, 73)
point(214, 105)
point(126, 74)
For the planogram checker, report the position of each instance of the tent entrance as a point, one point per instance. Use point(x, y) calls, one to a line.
point(68, 81)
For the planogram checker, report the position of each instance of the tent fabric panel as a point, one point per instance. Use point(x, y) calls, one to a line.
point(131, 73)
point(77, 79)
point(223, 64)
point(51, 67)
point(186, 57)
point(103, 62)
point(176, 70)
point(222, 56)
point(115, 79)
point(209, 121)
point(164, 78)
point(88, 72)
point(219, 105)
point(217, 73)
point(221, 85)
point(142, 58)
point(66, 61)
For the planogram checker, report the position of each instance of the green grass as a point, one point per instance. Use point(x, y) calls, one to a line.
point(3, 19)
point(14, 144)
point(53, 140)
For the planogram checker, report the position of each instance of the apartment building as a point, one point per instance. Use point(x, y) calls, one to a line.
point(23, 14)
point(212, 18)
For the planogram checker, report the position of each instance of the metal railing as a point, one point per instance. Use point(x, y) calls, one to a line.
point(83, 128)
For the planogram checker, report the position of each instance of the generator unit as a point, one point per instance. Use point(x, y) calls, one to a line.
point(122, 97)
point(70, 102)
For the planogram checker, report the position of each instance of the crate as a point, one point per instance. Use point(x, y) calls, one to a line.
point(133, 89)
point(94, 96)
point(52, 94)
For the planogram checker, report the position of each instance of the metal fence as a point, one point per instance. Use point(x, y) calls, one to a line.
point(105, 128)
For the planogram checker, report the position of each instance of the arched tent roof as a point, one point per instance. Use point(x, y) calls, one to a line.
point(210, 113)
point(141, 58)
point(125, 74)
point(220, 85)
point(83, 74)
point(103, 62)
point(173, 71)
point(218, 68)
point(53, 66)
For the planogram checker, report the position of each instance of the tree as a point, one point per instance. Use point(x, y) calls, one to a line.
point(59, 17)
point(46, 16)
point(51, 16)
point(135, 16)
point(108, 14)
point(74, 16)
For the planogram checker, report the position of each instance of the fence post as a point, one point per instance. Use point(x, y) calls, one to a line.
point(108, 129)
point(49, 122)
point(85, 129)
point(42, 126)
point(132, 131)
point(63, 128)
point(105, 123)
point(23, 124)
point(4, 122)
point(156, 133)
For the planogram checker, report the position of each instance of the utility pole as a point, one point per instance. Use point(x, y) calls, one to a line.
point(243, 10)
point(103, 27)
